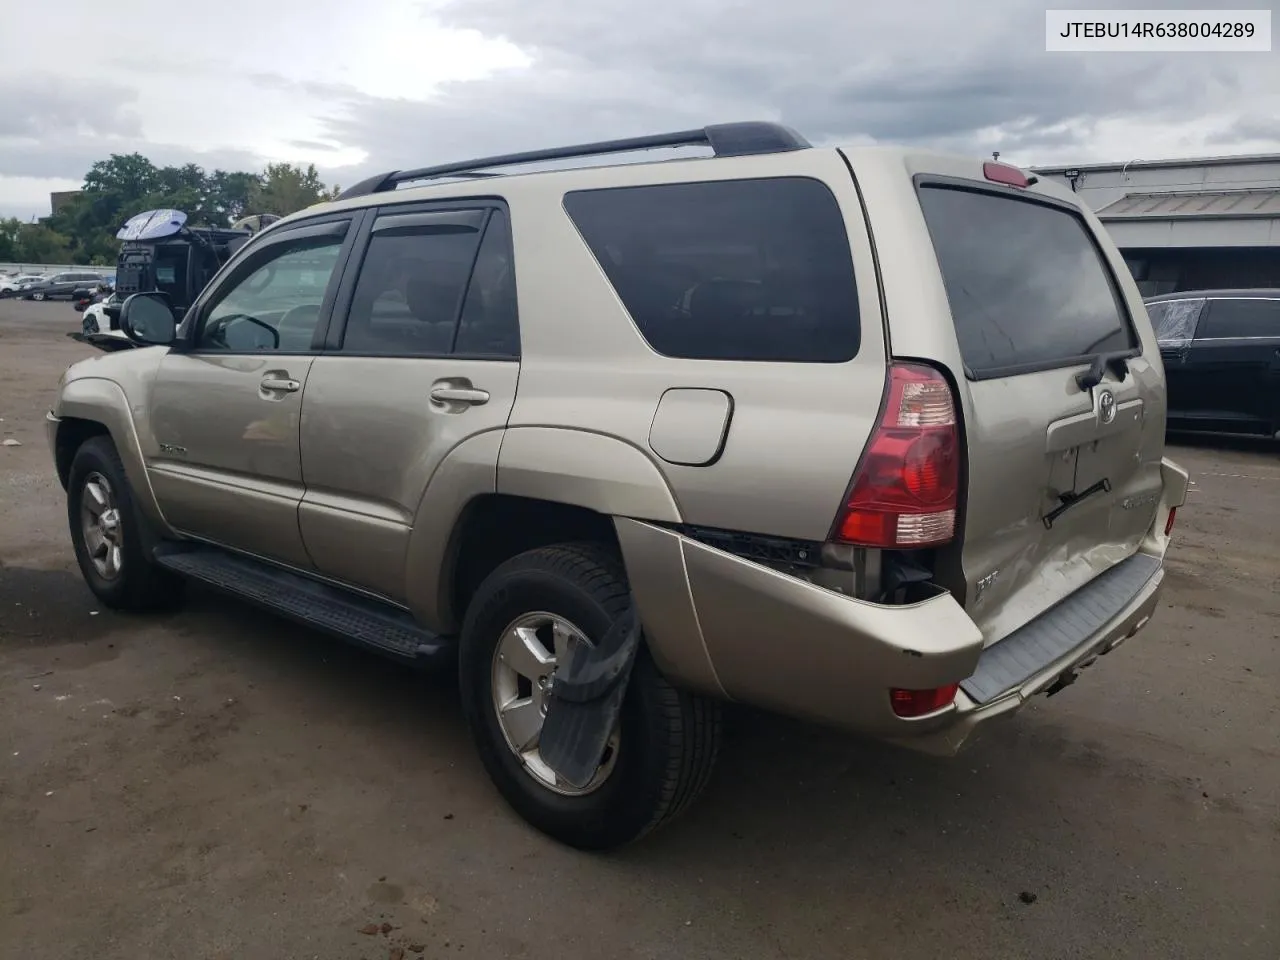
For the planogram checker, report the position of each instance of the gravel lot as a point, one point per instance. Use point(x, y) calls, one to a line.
point(219, 784)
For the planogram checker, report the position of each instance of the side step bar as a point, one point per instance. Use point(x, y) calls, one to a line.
point(311, 603)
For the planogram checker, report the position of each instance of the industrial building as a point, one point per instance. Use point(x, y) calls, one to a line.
point(1188, 224)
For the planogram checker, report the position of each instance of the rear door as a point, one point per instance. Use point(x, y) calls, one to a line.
point(1020, 297)
point(1234, 363)
point(423, 355)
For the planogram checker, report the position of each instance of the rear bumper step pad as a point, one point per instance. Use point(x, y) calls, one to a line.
point(1055, 633)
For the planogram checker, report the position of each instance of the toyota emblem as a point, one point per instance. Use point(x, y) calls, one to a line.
point(1106, 406)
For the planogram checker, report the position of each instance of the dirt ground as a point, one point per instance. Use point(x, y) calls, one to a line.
point(219, 784)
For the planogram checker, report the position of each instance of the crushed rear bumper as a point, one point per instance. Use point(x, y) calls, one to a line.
point(732, 628)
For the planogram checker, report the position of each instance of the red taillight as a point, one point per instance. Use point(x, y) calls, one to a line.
point(1003, 173)
point(1168, 523)
point(918, 703)
point(906, 490)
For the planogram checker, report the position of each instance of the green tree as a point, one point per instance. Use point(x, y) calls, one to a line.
point(123, 175)
point(10, 230)
point(286, 189)
point(228, 195)
point(115, 189)
point(38, 243)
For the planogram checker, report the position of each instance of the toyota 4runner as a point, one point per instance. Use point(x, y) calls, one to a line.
point(866, 436)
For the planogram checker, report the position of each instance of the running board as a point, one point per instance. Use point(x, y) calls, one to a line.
point(311, 603)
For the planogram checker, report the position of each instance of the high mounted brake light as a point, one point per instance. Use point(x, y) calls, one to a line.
point(907, 489)
point(1003, 173)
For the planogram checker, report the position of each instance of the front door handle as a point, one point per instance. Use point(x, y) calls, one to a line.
point(280, 385)
point(467, 395)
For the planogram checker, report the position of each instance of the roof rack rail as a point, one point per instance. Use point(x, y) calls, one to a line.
point(725, 140)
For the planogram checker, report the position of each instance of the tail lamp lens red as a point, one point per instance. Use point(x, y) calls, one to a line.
point(1168, 524)
point(906, 490)
point(919, 703)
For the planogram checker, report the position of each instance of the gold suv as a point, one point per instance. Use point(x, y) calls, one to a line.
point(865, 436)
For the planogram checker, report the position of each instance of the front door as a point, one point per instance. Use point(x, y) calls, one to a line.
point(225, 407)
point(427, 359)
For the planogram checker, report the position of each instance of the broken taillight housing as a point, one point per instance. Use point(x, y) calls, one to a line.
point(919, 703)
point(906, 491)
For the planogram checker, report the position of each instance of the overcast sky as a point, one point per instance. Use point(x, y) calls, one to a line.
point(380, 84)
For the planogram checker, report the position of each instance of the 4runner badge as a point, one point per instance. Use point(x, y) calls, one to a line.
point(982, 585)
point(1106, 407)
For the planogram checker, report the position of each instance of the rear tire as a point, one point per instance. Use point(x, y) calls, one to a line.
point(107, 533)
point(667, 739)
point(37, 296)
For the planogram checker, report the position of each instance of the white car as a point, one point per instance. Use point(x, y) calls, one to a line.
point(11, 285)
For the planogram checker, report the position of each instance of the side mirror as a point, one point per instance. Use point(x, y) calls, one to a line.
point(147, 320)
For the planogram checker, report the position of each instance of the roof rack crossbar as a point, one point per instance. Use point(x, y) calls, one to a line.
point(724, 139)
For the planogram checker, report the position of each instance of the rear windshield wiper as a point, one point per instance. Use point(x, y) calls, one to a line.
point(1071, 498)
point(1117, 360)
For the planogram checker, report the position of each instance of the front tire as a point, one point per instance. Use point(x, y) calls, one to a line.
point(666, 741)
point(106, 530)
point(37, 296)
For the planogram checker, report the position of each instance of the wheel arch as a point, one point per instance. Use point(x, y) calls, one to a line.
point(519, 489)
point(92, 407)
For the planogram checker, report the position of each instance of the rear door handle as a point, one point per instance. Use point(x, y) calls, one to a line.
point(468, 395)
point(281, 384)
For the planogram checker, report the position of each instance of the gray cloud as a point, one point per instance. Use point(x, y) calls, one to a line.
point(50, 106)
point(1252, 128)
point(929, 72)
point(69, 156)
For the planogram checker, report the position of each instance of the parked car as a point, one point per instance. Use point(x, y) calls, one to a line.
point(622, 442)
point(9, 286)
point(1221, 352)
point(60, 285)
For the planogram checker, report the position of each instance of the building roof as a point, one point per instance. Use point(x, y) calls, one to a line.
point(1244, 158)
point(1200, 204)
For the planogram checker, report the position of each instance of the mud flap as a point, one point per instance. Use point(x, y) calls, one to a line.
point(585, 699)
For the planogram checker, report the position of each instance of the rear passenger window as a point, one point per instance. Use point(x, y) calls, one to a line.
point(489, 325)
point(410, 290)
point(1027, 285)
point(728, 270)
point(1241, 318)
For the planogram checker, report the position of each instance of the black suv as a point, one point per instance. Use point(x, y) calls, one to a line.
point(61, 285)
point(1221, 352)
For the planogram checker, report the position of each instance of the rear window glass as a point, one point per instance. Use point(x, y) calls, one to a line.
point(728, 270)
point(1242, 318)
point(1026, 283)
point(1174, 321)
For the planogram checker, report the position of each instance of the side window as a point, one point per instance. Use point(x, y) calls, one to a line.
point(411, 286)
point(490, 324)
point(1174, 321)
point(275, 305)
point(728, 270)
point(1241, 318)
